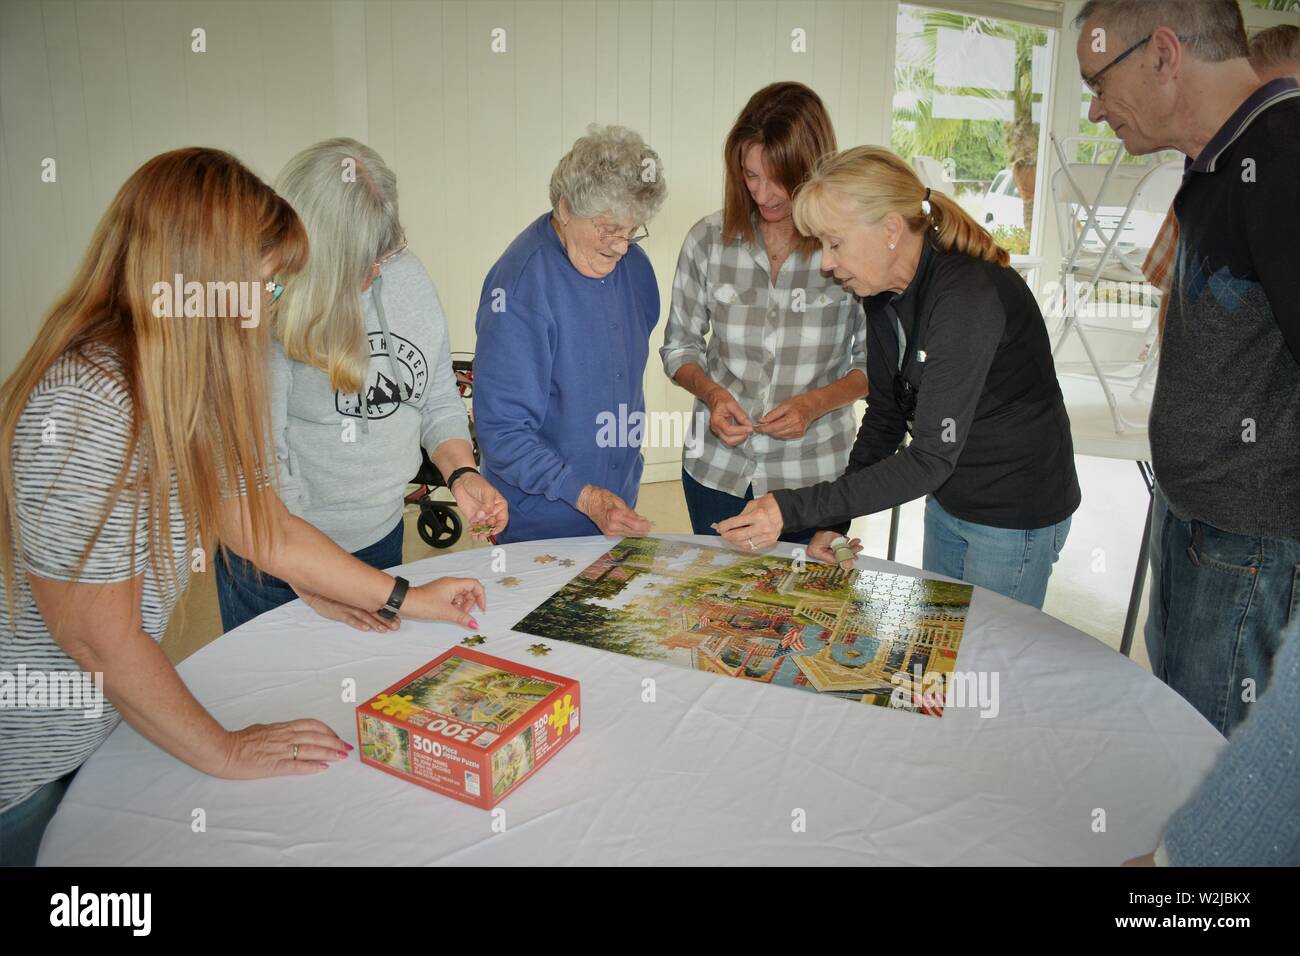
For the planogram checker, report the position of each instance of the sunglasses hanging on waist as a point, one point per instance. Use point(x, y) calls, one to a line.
point(911, 362)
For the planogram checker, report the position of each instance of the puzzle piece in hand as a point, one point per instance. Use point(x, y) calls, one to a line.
point(538, 649)
point(510, 582)
point(394, 706)
point(474, 639)
point(545, 558)
point(484, 528)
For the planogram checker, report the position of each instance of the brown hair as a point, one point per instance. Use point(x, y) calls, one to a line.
point(792, 125)
point(197, 385)
point(875, 182)
point(1274, 46)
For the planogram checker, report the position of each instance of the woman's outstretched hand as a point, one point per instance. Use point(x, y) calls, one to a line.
point(446, 599)
point(277, 750)
point(756, 528)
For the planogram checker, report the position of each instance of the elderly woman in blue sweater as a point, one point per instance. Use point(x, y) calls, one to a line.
point(564, 325)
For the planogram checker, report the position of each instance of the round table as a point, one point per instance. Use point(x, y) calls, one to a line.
point(1085, 760)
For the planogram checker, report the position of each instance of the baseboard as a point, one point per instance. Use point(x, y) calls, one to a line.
point(658, 471)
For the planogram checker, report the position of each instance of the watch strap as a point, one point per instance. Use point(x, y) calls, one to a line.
point(467, 469)
point(389, 610)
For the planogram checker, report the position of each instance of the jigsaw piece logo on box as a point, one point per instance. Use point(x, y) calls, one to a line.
point(469, 725)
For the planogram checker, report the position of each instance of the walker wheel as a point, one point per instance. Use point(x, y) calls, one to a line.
point(439, 525)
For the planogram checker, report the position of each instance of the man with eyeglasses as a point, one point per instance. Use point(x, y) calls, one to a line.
point(1225, 418)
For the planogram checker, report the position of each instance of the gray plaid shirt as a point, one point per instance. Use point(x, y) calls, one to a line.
point(769, 343)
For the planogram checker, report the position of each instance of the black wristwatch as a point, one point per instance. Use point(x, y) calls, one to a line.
point(389, 610)
point(467, 470)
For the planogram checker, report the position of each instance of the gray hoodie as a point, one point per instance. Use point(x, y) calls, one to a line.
point(345, 459)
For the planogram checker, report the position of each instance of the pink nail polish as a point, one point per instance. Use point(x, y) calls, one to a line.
point(324, 766)
point(474, 624)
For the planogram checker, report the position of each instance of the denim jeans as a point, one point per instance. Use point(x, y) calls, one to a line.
point(242, 594)
point(1012, 562)
point(1219, 604)
point(707, 506)
point(23, 825)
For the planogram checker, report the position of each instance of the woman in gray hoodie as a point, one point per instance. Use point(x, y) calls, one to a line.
point(361, 379)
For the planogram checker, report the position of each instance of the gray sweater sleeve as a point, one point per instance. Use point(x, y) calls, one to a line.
point(280, 386)
point(1247, 810)
point(965, 328)
point(444, 415)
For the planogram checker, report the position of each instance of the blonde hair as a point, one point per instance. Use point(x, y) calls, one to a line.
point(876, 182)
point(346, 197)
point(197, 385)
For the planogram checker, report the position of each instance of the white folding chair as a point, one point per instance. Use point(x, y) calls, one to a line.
point(1095, 205)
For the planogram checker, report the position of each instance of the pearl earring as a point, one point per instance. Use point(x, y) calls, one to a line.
point(891, 245)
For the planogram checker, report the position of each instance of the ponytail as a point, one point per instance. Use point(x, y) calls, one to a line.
point(877, 182)
point(954, 229)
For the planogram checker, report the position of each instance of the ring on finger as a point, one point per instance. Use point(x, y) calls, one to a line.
point(295, 751)
point(751, 545)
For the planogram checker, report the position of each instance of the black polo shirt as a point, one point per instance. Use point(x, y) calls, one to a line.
point(1225, 416)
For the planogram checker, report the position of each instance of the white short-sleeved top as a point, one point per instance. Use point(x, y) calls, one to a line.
point(70, 445)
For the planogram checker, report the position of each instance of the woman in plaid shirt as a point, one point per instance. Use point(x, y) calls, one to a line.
point(773, 350)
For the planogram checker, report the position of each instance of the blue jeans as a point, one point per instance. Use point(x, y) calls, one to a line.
point(1219, 604)
point(243, 594)
point(707, 506)
point(23, 825)
point(1012, 562)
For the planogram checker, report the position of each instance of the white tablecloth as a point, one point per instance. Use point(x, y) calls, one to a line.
point(715, 770)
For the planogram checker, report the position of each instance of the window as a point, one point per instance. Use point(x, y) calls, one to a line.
point(968, 97)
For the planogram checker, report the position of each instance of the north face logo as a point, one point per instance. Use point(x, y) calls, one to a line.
point(382, 395)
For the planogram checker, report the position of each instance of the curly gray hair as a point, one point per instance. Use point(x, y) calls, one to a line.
point(611, 170)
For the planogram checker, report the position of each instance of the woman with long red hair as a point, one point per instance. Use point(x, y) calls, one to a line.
point(133, 439)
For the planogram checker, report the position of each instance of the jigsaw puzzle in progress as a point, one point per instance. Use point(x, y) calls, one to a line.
point(866, 636)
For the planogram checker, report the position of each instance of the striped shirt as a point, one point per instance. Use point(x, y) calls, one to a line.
point(766, 344)
point(70, 444)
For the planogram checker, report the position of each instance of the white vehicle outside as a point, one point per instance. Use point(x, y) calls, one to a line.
point(1003, 208)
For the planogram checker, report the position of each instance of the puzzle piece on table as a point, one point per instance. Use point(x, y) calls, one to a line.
point(394, 706)
point(510, 582)
point(545, 558)
point(538, 650)
point(566, 562)
point(474, 639)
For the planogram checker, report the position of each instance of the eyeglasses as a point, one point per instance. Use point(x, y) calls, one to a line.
point(279, 288)
point(392, 255)
point(1092, 81)
point(608, 234)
